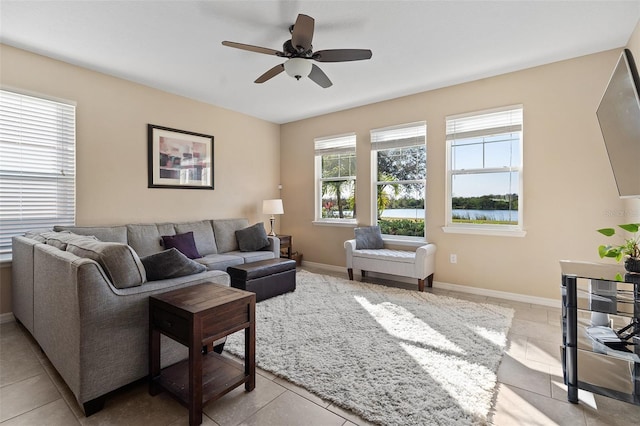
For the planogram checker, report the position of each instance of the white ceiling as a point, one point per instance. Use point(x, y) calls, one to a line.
point(417, 45)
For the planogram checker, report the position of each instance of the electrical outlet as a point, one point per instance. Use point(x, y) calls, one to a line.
point(453, 258)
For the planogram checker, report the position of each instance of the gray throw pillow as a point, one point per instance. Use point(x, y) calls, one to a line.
point(170, 264)
point(368, 237)
point(119, 261)
point(252, 238)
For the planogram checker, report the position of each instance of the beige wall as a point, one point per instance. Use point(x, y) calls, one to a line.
point(569, 190)
point(112, 118)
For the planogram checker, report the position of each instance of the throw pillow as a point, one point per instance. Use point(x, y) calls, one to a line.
point(183, 242)
point(368, 237)
point(252, 238)
point(119, 261)
point(170, 264)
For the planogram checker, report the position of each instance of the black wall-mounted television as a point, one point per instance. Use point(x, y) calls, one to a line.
point(619, 118)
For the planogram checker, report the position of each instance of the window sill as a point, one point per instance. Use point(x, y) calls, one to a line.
point(472, 230)
point(348, 223)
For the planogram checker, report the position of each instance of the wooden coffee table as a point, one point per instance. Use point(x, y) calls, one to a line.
point(196, 316)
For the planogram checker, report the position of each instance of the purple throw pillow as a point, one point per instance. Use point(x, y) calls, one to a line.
point(183, 242)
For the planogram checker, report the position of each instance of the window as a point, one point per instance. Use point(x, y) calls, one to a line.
point(399, 170)
point(37, 165)
point(336, 178)
point(484, 170)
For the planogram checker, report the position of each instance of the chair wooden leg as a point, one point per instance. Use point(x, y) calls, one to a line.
point(422, 282)
point(350, 272)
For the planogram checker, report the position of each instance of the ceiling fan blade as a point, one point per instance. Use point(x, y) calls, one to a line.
point(270, 74)
point(251, 48)
point(342, 55)
point(318, 76)
point(302, 34)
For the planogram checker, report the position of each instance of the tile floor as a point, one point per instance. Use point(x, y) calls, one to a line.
point(529, 392)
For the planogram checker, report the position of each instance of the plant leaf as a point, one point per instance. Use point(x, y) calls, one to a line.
point(607, 231)
point(630, 227)
point(602, 251)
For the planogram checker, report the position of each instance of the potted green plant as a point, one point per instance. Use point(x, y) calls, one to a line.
point(629, 249)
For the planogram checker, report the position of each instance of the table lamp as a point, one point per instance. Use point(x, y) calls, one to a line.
point(272, 207)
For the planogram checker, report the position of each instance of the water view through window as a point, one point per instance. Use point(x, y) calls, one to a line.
point(484, 169)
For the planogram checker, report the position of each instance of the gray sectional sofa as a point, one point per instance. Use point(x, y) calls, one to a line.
point(83, 294)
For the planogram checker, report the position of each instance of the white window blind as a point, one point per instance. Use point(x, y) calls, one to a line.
point(37, 165)
point(489, 123)
point(401, 136)
point(343, 144)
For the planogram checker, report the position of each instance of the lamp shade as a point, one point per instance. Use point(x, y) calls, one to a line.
point(298, 67)
point(272, 207)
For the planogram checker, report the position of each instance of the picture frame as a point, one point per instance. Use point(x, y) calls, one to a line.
point(179, 159)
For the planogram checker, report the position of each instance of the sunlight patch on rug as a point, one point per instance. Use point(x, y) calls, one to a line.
point(468, 383)
point(401, 323)
point(392, 356)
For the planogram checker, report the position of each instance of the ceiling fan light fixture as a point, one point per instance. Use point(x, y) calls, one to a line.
point(298, 67)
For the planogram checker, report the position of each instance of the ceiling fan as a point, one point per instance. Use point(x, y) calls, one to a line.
point(299, 53)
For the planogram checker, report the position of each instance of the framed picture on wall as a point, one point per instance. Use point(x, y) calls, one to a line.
point(179, 159)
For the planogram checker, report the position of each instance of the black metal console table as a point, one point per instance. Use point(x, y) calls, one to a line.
point(600, 330)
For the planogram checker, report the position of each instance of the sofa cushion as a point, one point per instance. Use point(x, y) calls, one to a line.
point(220, 261)
point(254, 256)
point(202, 234)
point(252, 238)
point(36, 234)
point(145, 238)
point(119, 261)
point(225, 233)
point(368, 237)
point(183, 242)
point(401, 256)
point(115, 234)
point(60, 240)
point(170, 263)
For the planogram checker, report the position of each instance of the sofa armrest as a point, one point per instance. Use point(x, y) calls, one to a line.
point(22, 280)
point(349, 247)
point(274, 246)
point(426, 260)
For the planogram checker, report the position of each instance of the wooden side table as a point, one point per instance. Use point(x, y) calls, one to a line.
point(196, 316)
point(285, 243)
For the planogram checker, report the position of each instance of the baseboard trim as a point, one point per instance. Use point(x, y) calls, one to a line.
point(324, 266)
point(516, 297)
point(7, 317)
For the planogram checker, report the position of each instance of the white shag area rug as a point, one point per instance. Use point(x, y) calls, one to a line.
point(392, 356)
